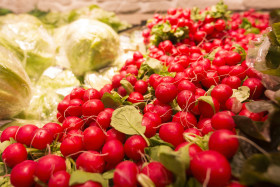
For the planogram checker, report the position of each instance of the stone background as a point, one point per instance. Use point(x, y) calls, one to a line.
point(135, 7)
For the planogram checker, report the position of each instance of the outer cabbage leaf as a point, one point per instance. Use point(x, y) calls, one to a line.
point(31, 40)
point(15, 91)
point(89, 45)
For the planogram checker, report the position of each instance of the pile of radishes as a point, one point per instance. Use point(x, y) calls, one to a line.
point(185, 105)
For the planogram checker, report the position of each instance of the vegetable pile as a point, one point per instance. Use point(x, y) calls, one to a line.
point(191, 112)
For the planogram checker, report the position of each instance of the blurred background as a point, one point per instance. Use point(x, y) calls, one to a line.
point(141, 9)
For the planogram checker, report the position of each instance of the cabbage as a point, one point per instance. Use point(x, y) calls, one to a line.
point(89, 45)
point(50, 89)
point(15, 90)
point(30, 39)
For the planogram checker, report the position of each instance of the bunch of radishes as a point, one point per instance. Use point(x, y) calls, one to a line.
point(185, 102)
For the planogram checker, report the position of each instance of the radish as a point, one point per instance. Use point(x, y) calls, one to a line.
point(63, 106)
point(222, 92)
point(107, 88)
point(222, 120)
point(77, 93)
point(59, 179)
point(114, 150)
point(172, 132)
point(71, 146)
point(125, 174)
point(75, 107)
point(48, 165)
point(206, 109)
point(186, 100)
point(134, 147)
point(223, 142)
point(114, 134)
point(24, 134)
point(211, 78)
point(116, 79)
point(233, 105)
point(8, 133)
point(122, 91)
point(90, 94)
point(256, 87)
point(193, 131)
point(164, 111)
point(22, 174)
point(92, 108)
point(186, 85)
point(14, 154)
point(103, 120)
point(186, 119)
point(41, 138)
point(135, 97)
point(94, 138)
point(151, 127)
point(91, 161)
point(132, 79)
point(141, 86)
point(55, 129)
point(88, 184)
point(153, 116)
point(205, 126)
point(166, 92)
point(72, 123)
point(193, 149)
point(232, 81)
point(211, 168)
point(160, 176)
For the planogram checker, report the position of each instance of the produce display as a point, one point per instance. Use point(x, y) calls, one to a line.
point(199, 108)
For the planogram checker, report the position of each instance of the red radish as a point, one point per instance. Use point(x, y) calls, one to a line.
point(211, 168)
point(60, 118)
point(59, 179)
point(71, 133)
point(222, 92)
point(48, 165)
point(222, 120)
point(186, 119)
point(109, 111)
point(106, 88)
point(232, 58)
point(116, 79)
point(92, 108)
point(90, 94)
point(41, 138)
point(8, 133)
point(91, 161)
point(132, 79)
point(156, 119)
point(134, 147)
point(160, 176)
point(233, 105)
point(114, 150)
point(186, 100)
point(212, 78)
point(151, 127)
point(186, 85)
point(94, 138)
point(75, 107)
point(235, 184)
point(200, 92)
point(205, 126)
point(135, 97)
point(125, 174)
point(114, 134)
point(88, 184)
point(24, 134)
point(193, 132)
point(166, 92)
point(63, 106)
point(192, 151)
point(238, 71)
point(72, 123)
point(103, 120)
point(14, 154)
point(224, 142)
point(153, 78)
point(251, 115)
point(232, 81)
point(256, 87)
point(206, 109)
point(164, 111)
point(77, 93)
point(141, 86)
point(55, 129)
point(71, 146)
point(219, 61)
point(22, 174)
point(172, 132)
point(220, 25)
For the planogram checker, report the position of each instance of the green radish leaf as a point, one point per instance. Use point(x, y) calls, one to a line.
point(209, 100)
point(241, 94)
point(108, 174)
point(70, 165)
point(156, 140)
point(237, 163)
point(4, 181)
point(145, 181)
point(4, 145)
point(252, 128)
point(128, 120)
point(240, 50)
point(175, 161)
point(113, 100)
point(260, 106)
point(208, 93)
point(153, 153)
point(80, 177)
point(211, 55)
point(149, 67)
point(261, 168)
point(192, 182)
point(127, 86)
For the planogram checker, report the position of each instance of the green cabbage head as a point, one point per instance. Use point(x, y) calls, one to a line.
point(89, 45)
point(15, 90)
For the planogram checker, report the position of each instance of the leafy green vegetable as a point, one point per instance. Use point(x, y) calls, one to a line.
point(261, 168)
point(163, 31)
point(127, 86)
point(33, 44)
point(242, 93)
point(145, 181)
point(80, 177)
point(113, 100)
point(15, 89)
point(89, 45)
